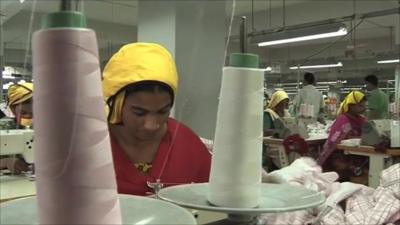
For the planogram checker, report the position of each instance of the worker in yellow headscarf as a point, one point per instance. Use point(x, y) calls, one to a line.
point(20, 102)
point(353, 99)
point(276, 108)
point(140, 83)
point(347, 125)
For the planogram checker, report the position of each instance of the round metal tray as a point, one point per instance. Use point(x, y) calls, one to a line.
point(134, 210)
point(274, 198)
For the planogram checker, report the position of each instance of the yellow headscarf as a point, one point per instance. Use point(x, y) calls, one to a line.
point(134, 63)
point(276, 98)
point(19, 93)
point(353, 97)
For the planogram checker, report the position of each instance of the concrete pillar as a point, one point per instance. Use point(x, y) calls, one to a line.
point(157, 23)
point(194, 32)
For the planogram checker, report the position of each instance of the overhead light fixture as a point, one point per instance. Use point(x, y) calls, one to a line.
point(299, 33)
point(389, 61)
point(339, 64)
point(8, 77)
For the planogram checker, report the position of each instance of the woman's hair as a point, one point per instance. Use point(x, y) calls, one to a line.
point(309, 78)
point(149, 86)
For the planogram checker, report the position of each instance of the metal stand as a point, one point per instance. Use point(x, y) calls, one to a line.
point(237, 219)
point(274, 198)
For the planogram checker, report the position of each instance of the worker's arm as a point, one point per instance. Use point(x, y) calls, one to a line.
point(268, 132)
point(373, 114)
point(268, 126)
point(14, 164)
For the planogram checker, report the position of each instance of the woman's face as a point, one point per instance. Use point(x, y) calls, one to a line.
point(284, 104)
point(358, 108)
point(23, 110)
point(145, 113)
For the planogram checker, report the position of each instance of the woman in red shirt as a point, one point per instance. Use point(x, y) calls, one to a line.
point(139, 85)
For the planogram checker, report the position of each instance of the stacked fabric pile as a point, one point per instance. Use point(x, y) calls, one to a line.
point(346, 203)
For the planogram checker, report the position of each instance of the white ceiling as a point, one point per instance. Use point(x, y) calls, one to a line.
point(115, 23)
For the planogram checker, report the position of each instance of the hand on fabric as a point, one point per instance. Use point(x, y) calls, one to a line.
point(14, 165)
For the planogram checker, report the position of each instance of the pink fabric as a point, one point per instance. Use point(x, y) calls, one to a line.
point(293, 218)
point(334, 217)
point(364, 206)
point(345, 126)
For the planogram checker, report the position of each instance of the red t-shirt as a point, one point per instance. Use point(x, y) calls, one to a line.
point(181, 158)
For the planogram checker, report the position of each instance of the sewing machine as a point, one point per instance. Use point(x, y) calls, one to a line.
point(286, 126)
point(14, 142)
point(374, 131)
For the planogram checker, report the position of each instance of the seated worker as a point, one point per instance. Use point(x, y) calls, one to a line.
point(276, 108)
point(139, 86)
point(347, 125)
point(20, 102)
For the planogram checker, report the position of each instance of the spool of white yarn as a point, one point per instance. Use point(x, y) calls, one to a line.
point(74, 169)
point(235, 177)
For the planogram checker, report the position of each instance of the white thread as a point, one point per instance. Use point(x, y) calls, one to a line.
point(235, 177)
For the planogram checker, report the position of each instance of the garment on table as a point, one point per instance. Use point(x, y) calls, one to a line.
point(311, 96)
point(8, 124)
point(378, 102)
point(363, 205)
point(181, 158)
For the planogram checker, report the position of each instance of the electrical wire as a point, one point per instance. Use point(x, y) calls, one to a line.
point(229, 31)
point(284, 13)
point(252, 16)
point(1, 51)
point(29, 36)
point(270, 13)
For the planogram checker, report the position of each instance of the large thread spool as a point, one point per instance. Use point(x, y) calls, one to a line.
point(235, 177)
point(74, 169)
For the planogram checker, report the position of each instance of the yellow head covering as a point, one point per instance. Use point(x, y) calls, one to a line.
point(134, 63)
point(276, 98)
point(19, 93)
point(353, 97)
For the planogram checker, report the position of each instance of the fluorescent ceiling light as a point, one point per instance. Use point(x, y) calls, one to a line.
point(291, 35)
point(389, 61)
point(8, 77)
point(339, 64)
